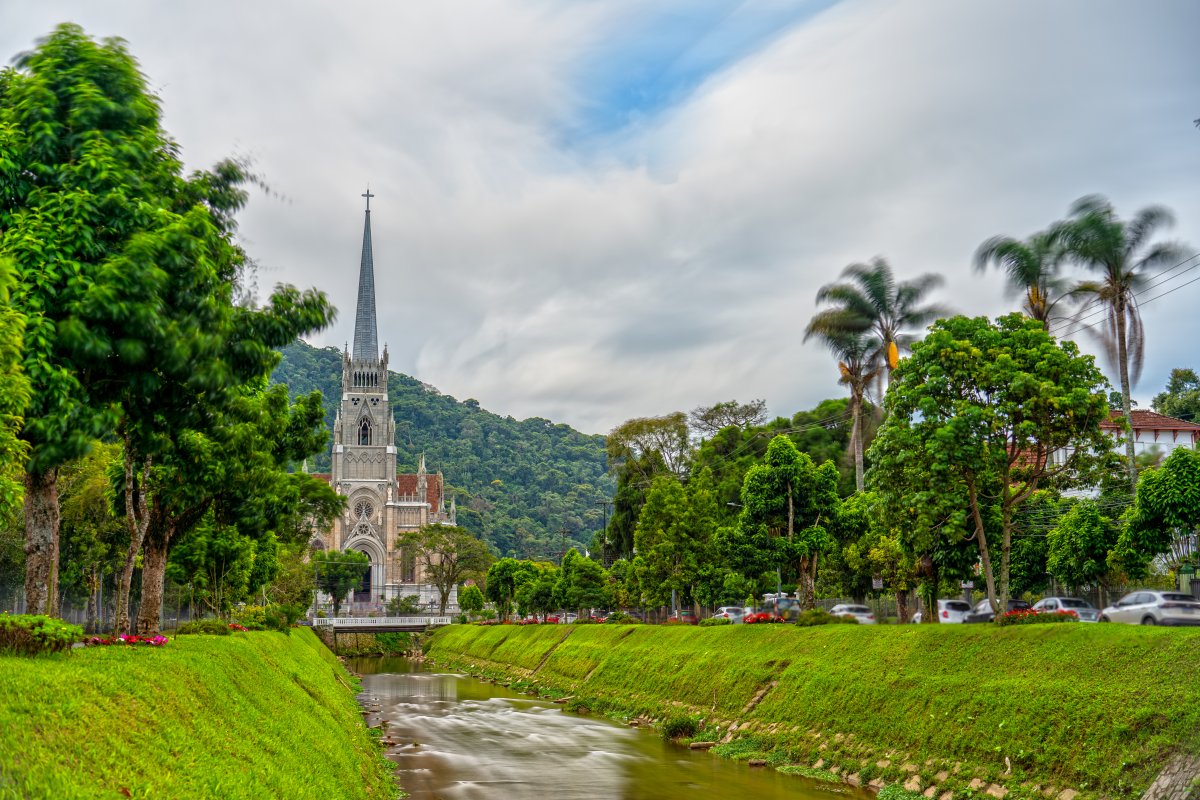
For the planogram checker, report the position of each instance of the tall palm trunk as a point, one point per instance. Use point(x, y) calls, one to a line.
point(41, 542)
point(856, 438)
point(1119, 307)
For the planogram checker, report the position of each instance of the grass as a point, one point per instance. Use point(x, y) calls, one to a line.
point(250, 715)
point(1098, 708)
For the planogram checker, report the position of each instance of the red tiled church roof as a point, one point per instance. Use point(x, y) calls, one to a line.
point(322, 476)
point(1146, 420)
point(406, 486)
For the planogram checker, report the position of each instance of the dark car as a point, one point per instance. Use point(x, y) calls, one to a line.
point(983, 610)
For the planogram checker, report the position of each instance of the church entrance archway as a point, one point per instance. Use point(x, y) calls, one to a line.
point(362, 592)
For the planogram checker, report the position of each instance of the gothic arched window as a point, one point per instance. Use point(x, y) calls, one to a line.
point(364, 431)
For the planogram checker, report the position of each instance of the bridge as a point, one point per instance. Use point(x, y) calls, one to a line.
point(412, 624)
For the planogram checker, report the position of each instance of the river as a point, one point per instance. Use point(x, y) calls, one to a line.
point(464, 739)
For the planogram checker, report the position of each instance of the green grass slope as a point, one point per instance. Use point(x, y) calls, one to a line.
point(1097, 708)
point(244, 716)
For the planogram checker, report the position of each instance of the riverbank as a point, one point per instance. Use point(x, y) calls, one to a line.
point(250, 715)
point(1022, 712)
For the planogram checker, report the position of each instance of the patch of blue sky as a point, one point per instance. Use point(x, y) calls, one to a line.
point(654, 56)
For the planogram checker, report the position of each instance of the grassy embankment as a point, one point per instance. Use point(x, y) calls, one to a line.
point(1094, 708)
point(250, 715)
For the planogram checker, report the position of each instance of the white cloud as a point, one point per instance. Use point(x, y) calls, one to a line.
point(676, 262)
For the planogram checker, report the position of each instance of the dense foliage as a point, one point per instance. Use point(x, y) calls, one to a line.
point(34, 634)
point(530, 488)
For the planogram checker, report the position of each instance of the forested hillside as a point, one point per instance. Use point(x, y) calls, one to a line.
point(530, 487)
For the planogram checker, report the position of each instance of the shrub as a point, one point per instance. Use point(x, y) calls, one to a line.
point(31, 635)
point(214, 627)
point(404, 606)
point(253, 618)
point(714, 621)
point(276, 620)
point(621, 618)
point(679, 727)
point(1027, 616)
point(819, 616)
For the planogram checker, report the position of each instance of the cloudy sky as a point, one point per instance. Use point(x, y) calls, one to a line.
point(589, 211)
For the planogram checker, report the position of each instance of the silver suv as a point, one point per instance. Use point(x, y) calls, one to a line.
point(948, 611)
point(1154, 608)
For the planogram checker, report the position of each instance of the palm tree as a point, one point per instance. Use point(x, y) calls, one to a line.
point(1032, 269)
point(870, 301)
point(1121, 252)
point(854, 352)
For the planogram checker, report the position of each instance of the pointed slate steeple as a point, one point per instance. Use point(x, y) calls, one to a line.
point(366, 341)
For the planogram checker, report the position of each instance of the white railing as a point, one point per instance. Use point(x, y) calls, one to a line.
point(375, 622)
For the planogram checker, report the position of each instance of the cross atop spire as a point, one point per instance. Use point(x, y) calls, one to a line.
point(366, 341)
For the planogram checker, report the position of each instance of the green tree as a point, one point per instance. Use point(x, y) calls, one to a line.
point(448, 555)
point(1181, 398)
point(504, 578)
point(653, 445)
point(1079, 546)
point(1001, 410)
point(869, 300)
point(336, 572)
point(232, 473)
point(582, 583)
point(674, 537)
point(1122, 253)
point(1164, 516)
point(470, 600)
point(1032, 268)
point(540, 594)
point(14, 394)
point(85, 175)
point(292, 588)
point(787, 502)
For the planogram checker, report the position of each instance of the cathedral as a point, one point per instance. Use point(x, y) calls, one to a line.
point(381, 505)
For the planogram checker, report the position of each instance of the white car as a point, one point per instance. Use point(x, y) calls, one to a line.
point(734, 614)
point(863, 614)
point(949, 611)
point(1071, 605)
point(1154, 608)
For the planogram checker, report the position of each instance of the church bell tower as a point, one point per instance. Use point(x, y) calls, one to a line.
point(364, 452)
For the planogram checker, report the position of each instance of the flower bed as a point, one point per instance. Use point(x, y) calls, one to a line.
point(233, 626)
point(1027, 616)
point(128, 641)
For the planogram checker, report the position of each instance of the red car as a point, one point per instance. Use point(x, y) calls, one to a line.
point(683, 618)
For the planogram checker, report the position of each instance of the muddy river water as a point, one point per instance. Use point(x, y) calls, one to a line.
point(463, 739)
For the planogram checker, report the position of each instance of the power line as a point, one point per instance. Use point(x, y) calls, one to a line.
point(1154, 283)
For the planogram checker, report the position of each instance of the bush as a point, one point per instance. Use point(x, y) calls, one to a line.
point(714, 621)
point(31, 635)
point(621, 618)
point(679, 727)
point(213, 627)
point(819, 616)
point(276, 620)
point(253, 618)
point(1027, 616)
point(404, 606)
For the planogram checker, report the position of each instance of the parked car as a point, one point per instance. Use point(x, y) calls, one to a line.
point(1154, 608)
point(1071, 605)
point(734, 614)
point(566, 619)
point(683, 618)
point(983, 610)
point(949, 611)
point(863, 614)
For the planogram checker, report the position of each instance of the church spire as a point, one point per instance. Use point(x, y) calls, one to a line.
point(366, 343)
